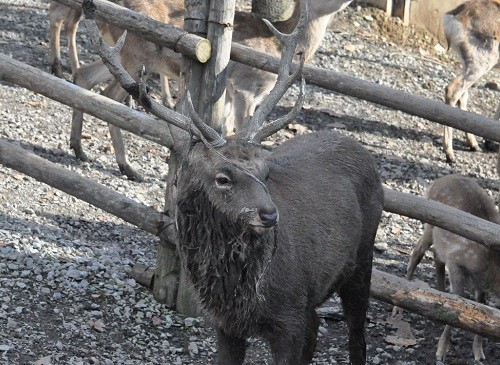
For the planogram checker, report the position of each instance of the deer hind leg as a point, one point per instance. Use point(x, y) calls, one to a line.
point(419, 250)
point(471, 139)
point(87, 77)
point(497, 117)
point(477, 346)
point(56, 20)
point(166, 96)
point(457, 285)
point(70, 27)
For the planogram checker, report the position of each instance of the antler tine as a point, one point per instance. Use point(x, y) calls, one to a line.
point(271, 128)
point(138, 90)
point(214, 138)
point(284, 80)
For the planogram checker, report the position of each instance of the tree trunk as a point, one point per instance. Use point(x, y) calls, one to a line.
point(213, 91)
point(273, 10)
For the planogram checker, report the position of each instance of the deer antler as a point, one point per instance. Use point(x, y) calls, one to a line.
point(256, 130)
point(138, 90)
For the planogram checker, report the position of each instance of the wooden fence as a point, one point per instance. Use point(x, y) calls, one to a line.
point(454, 310)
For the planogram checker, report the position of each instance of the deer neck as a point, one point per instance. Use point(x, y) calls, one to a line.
point(318, 20)
point(225, 263)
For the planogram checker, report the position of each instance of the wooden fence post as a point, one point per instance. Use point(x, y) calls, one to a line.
point(206, 84)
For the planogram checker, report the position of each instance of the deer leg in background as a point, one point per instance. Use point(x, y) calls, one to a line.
point(166, 96)
point(419, 250)
point(456, 287)
point(56, 22)
point(70, 28)
point(471, 139)
point(87, 77)
point(116, 92)
point(477, 346)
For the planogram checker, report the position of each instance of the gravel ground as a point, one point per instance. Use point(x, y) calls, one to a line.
point(65, 293)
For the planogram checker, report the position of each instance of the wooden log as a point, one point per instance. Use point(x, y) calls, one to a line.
point(345, 84)
point(442, 215)
point(213, 89)
point(349, 85)
point(138, 123)
point(171, 285)
point(446, 308)
point(273, 10)
point(166, 35)
point(85, 189)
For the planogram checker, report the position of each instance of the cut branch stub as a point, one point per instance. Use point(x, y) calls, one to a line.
point(284, 80)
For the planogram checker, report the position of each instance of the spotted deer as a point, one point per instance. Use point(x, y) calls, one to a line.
point(473, 32)
point(471, 266)
point(266, 236)
point(246, 86)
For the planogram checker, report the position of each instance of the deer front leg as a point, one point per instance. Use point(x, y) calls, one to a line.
point(448, 145)
point(231, 350)
point(116, 92)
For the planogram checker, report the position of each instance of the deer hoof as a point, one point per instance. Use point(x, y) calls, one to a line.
point(130, 173)
point(476, 149)
point(80, 154)
point(56, 69)
point(490, 145)
point(450, 159)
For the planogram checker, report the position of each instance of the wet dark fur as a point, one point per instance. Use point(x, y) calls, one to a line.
point(329, 198)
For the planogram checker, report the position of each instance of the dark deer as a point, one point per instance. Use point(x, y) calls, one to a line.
point(470, 265)
point(246, 86)
point(473, 32)
point(266, 236)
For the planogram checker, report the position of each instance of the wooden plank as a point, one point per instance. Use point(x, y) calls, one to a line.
point(213, 90)
point(446, 308)
point(133, 121)
point(419, 106)
point(442, 215)
point(85, 189)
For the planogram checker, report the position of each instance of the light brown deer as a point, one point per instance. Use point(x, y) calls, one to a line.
point(473, 32)
point(267, 236)
point(471, 266)
point(61, 15)
point(246, 86)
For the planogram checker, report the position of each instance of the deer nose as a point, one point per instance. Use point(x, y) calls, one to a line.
point(268, 219)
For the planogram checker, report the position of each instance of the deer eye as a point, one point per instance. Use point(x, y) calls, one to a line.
point(222, 180)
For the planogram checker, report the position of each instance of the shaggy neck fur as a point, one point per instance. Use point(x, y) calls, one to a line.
point(225, 261)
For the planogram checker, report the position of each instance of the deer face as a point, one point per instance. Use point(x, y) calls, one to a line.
point(229, 183)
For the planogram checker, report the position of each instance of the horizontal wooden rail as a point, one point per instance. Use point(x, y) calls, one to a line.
point(144, 125)
point(190, 45)
point(452, 219)
point(446, 308)
point(138, 123)
point(140, 215)
point(382, 95)
point(419, 106)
